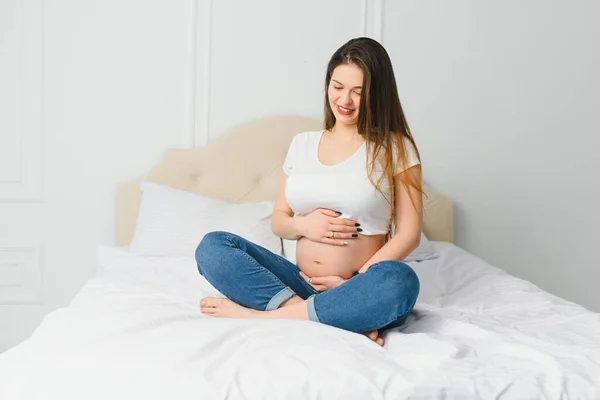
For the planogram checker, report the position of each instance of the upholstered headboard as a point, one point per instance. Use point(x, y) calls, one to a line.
point(244, 165)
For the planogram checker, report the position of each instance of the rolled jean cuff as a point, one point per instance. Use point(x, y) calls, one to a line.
point(285, 294)
point(312, 313)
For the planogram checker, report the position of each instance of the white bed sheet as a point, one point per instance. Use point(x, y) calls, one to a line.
point(135, 332)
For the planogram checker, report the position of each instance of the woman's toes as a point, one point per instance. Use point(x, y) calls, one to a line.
point(209, 305)
point(222, 307)
point(374, 336)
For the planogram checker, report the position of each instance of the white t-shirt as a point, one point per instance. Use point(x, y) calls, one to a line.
point(343, 187)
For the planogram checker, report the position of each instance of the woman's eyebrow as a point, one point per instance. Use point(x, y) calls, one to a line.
point(355, 87)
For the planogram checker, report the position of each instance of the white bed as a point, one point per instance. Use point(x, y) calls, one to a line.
point(134, 331)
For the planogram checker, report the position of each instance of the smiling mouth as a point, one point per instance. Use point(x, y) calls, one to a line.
point(344, 110)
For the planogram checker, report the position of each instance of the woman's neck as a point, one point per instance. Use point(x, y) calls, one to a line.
point(344, 132)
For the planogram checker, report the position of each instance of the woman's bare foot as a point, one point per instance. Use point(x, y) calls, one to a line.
point(225, 308)
point(218, 307)
point(374, 336)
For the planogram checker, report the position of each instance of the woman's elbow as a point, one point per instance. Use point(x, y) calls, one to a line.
point(414, 241)
point(282, 225)
point(275, 225)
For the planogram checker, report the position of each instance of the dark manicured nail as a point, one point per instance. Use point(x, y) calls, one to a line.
point(338, 213)
point(355, 235)
point(357, 224)
point(358, 229)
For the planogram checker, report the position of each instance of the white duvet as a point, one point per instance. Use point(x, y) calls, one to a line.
point(135, 332)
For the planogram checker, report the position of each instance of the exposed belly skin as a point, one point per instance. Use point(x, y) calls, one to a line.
point(320, 259)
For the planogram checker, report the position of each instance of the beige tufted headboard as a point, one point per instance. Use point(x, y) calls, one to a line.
point(244, 165)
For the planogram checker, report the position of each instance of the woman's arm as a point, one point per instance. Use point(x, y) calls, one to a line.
point(409, 221)
point(283, 223)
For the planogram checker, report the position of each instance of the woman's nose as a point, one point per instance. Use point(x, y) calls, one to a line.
point(346, 99)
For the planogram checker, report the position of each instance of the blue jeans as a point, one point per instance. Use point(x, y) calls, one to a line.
point(255, 277)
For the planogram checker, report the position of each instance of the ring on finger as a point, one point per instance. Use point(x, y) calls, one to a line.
point(344, 243)
point(332, 234)
point(309, 280)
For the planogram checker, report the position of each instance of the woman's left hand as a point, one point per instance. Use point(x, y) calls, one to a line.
point(323, 283)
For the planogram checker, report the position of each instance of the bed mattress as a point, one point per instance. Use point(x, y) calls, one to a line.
point(135, 331)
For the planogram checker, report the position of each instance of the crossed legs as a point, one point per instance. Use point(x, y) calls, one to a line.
point(260, 284)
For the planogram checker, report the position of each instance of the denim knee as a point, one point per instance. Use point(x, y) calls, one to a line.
point(209, 245)
point(400, 285)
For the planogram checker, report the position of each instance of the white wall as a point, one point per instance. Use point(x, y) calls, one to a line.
point(106, 90)
point(500, 98)
point(503, 100)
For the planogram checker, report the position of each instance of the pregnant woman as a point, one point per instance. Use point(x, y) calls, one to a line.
point(351, 196)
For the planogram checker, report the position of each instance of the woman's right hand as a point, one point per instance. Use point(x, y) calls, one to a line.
point(323, 225)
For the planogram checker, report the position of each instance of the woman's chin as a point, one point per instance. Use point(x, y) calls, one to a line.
point(345, 120)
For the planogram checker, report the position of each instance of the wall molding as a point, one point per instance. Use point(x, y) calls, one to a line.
point(365, 12)
point(11, 274)
point(198, 121)
point(373, 17)
point(202, 72)
point(20, 273)
point(190, 79)
point(29, 187)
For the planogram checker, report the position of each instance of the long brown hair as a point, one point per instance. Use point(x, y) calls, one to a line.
point(381, 120)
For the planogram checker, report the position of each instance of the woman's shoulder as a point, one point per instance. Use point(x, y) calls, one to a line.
point(307, 138)
point(308, 135)
point(411, 154)
point(300, 149)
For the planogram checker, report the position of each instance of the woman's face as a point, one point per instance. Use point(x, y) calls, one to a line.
point(344, 93)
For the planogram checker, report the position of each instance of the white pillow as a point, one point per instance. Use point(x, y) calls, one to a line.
point(172, 222)
point(175, 275)
point(424, 251)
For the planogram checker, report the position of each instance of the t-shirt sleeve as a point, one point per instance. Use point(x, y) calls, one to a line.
point(411, 157)
point(290, 158)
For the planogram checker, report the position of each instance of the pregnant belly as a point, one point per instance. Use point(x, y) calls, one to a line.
point(320, 259)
